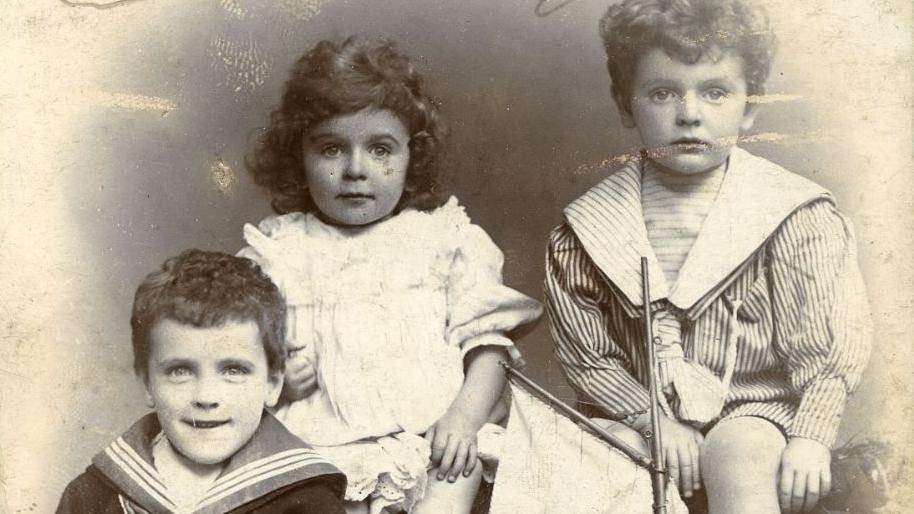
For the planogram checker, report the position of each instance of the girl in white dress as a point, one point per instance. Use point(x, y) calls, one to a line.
point(396, 307)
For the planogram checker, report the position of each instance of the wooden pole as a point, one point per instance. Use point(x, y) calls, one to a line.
point(658, 473)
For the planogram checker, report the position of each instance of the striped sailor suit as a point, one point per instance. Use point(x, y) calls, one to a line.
point(769, 300)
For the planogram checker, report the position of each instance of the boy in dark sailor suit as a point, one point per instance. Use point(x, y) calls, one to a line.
point(760, 318)
point(207, 342)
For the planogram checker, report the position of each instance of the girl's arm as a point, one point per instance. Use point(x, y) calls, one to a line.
point(453, 437)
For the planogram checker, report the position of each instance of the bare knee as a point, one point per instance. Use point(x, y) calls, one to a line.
point(739, 465)
point(746, 441)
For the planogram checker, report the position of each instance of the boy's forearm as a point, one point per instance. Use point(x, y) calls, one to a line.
point(483, 384)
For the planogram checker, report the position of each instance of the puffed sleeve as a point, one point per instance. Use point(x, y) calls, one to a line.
point(267, 245)
point(597, 368)
point(480, 308)
point(822, 323)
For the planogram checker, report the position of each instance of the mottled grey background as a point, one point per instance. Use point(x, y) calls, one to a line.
point(124, 132)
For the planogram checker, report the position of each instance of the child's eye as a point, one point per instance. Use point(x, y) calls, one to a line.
point(178, 372)
point(661, 95)
point(331, 150)
point(236, 370)
point(716, 94)
point(380, 150)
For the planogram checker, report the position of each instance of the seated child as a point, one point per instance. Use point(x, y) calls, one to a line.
point(207, 343)
point(395, 301)
point(758, 305)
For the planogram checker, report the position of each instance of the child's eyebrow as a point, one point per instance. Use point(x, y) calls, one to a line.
point(384, 137)
point(322, 135)
point(177, 361)
point(723, 80)
point(236, 361)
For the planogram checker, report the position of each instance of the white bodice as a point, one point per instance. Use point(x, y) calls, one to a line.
point(387, 313)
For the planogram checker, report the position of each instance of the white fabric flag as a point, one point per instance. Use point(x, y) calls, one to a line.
point(548, 464)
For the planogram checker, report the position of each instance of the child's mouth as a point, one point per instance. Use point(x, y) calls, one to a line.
point(690, 145)
point(355, 196)
point(199, 423)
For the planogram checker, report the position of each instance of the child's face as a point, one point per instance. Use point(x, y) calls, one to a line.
point(688, 115)
point(209, 386)
point(356, 165)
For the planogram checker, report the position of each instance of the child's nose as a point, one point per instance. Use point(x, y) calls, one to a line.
point(688, 114)
point(207, 394)
point(356, 167)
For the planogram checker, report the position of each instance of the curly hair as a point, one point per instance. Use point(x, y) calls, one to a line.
point(207, 289)
point(336, 78)
point(687, 30)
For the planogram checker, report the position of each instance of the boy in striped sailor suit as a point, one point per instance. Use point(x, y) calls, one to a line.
point(207, 342)
point(759, 311)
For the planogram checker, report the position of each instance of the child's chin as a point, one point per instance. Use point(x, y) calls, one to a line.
point(689, 164)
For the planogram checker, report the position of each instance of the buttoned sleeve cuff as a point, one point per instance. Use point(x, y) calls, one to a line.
point(820, 411)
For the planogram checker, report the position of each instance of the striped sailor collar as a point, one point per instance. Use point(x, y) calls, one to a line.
point(273, 459)
point(756, 196)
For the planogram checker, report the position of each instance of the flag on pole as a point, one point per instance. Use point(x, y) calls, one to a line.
point(548, 464)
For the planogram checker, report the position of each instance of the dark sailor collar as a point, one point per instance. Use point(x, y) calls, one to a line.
point(756, 196)
point(271, 460)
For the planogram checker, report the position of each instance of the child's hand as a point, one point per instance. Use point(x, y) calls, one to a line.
point(453, 441)
point(805, 474)
point(300, 377)
point(681, 445)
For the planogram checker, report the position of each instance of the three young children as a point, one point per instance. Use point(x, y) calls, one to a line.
point(396, 312)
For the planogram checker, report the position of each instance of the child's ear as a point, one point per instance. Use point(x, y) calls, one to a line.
point(748, 117)
point(274, 389)
point(624, 109)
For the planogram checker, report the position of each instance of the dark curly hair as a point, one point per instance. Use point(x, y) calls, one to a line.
point(336, 78)
point(208, 289)
point(687, 30)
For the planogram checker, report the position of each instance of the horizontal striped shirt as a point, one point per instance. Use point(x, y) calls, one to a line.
point(803, 321)
point(675, 207)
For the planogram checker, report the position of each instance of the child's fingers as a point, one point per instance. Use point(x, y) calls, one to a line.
point(785, 488)
point(460, 460)
point(672, 466)
point(439, 445)
point(812, 491)
point(695, 455)
point(685, 470)
point(825, 486)
point(799, 492)
point(472, 456)
point(447, 459)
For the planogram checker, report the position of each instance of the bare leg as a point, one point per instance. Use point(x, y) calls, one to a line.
point(740, 459)
point(443, 497)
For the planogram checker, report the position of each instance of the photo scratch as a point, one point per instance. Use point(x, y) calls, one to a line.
point(130, 101)
point(98, 5)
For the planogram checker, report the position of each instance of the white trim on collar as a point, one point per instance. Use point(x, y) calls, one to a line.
point(755, 198)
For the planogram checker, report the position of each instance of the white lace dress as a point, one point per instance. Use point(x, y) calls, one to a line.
point(387, 314)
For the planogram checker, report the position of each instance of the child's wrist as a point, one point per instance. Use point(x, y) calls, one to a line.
point(640, 422)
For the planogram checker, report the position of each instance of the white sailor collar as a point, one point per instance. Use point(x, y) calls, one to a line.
point(756, 196)
point(271, 460)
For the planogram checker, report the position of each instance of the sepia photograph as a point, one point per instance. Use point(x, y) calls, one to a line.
point(428, 256)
